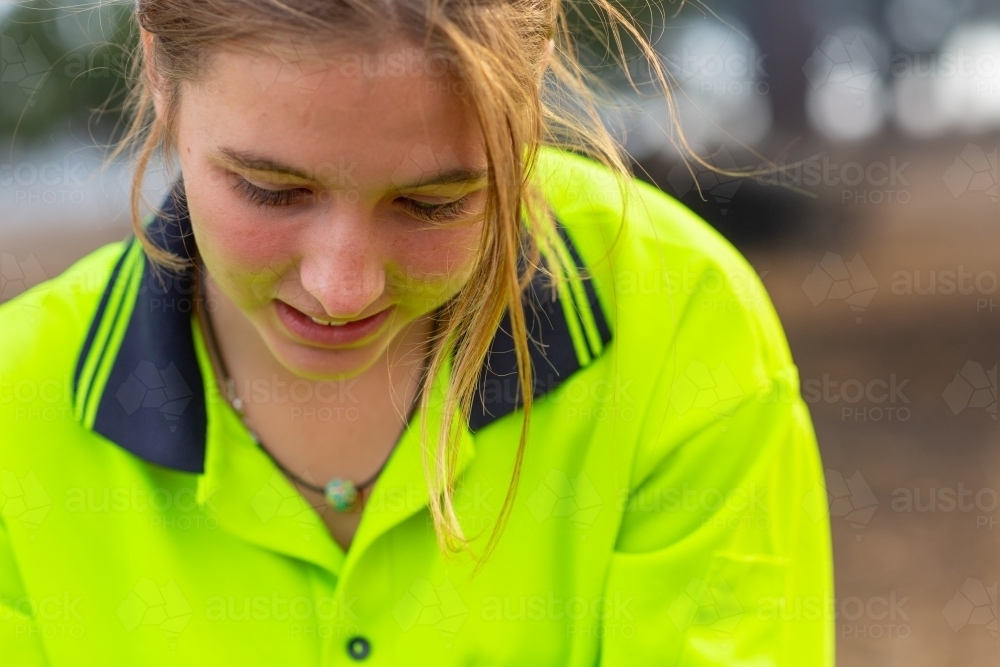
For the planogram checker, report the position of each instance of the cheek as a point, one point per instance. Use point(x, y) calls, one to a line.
point(245, 255)
point(438, 260)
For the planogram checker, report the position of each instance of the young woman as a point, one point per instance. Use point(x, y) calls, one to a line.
point(391, 377)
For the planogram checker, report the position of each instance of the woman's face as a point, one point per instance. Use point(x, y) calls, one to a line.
point(333, 202)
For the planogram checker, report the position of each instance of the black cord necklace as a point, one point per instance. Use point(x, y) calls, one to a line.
point(341, 494)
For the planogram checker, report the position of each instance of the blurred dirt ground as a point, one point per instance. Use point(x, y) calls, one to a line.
point(911, 551)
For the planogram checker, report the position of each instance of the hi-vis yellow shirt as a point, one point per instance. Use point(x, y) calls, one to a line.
point(671, 508)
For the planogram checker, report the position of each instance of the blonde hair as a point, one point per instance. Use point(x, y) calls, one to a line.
point(496, 49)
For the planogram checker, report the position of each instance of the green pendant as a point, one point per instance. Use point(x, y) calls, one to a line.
point(340, 494)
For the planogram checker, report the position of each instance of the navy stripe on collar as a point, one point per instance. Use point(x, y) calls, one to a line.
point(154, 399)
point(550, 345)
point(153, 402)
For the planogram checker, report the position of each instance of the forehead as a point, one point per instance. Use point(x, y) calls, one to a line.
point(305, 105)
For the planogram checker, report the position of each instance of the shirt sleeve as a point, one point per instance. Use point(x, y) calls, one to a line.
point(20, 637)
point(723, 552)
point(723, 556)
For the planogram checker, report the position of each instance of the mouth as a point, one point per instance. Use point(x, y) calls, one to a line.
point(329, 333)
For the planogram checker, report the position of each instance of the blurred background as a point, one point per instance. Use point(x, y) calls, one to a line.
point(875, 227)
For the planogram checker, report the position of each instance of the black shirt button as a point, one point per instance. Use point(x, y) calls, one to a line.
point(358, 648)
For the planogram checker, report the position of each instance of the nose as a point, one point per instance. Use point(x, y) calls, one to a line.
point(342, 265)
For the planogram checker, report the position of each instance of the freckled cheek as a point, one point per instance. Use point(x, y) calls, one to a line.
point(435, 264)
point(248, 259)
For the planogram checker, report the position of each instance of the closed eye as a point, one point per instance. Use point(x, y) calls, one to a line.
point(421, 210)
point(264, 197)
point(443, 212)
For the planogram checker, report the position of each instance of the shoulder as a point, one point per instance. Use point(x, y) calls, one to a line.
point(45, 327)
point(672, 286)
point(696, 340)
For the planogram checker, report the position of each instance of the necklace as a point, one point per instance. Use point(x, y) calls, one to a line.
point(341, 494)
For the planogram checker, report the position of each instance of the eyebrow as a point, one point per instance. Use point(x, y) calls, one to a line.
point(252, 162)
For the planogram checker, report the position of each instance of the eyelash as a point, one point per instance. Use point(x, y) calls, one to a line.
point(264, 198)
point(436, 212)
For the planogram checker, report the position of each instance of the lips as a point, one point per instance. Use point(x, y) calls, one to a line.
point(303, 327)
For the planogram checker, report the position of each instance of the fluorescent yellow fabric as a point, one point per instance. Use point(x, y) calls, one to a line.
point(671, 508)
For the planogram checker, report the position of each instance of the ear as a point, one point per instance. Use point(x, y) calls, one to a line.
point(154, 82)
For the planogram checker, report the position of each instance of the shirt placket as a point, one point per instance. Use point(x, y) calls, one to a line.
point(251, 498)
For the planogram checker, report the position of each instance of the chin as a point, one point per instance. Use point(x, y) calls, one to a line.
point(316, 363)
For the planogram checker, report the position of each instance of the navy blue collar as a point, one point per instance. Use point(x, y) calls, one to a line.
point(153, 400)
